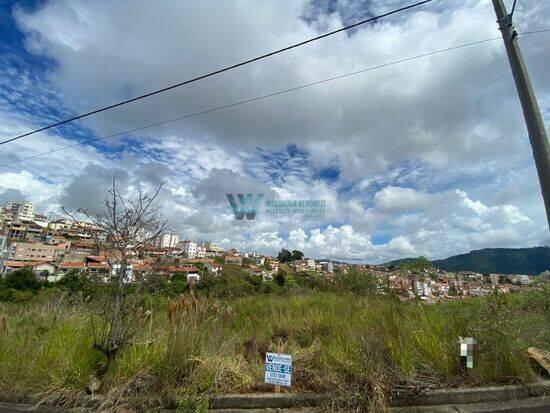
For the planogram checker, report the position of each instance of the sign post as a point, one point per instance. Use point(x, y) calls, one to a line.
point(278, 369)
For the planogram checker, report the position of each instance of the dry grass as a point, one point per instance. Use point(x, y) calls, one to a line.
point(360, 350)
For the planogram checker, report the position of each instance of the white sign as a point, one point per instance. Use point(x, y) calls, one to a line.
point(278, 369)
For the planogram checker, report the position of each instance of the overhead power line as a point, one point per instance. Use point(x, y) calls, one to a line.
point(216, 72)
point(254, 99)
point(536, 31)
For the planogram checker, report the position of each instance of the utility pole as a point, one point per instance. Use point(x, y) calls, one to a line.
point(531, 111)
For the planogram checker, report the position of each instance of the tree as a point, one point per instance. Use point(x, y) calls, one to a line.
point(419, 264)
point(131, 226)
point(23, 279)
point(297, 255)
point(44, 274)
point(74, 281)
point(280, 278)
point(284, 256)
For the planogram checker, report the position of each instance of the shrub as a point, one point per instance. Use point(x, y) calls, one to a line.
point(280, 278)
point(23, 279)
point(74, 281)
point(15, 296)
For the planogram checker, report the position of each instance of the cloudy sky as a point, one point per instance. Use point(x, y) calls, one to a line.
point(427, 157)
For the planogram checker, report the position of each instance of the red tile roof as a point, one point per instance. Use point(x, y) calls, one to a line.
point(141, 267)
point(99, 258)
point(72, 265)
point(21, 264)
point(174, 268)
point(97, 265)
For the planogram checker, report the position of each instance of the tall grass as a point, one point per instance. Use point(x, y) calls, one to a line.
point(361, 350)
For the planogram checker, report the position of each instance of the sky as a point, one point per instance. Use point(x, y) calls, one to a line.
point(426, 157)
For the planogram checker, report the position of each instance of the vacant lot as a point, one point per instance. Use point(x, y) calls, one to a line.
point(362, 349)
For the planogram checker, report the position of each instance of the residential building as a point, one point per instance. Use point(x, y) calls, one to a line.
point(213, 268)
point(34, 232)
point(32, 251)
point(17, 230)
point(65, 267)
point(328, 267)
point(60, 224)
point(167, 241)
point(189, 249)
point(22, 211)
point(494, 278)
point(37, 266)
point(257, 271)
point(300, 266)
point(260, 260)
point(524, 279)
point(3, 244)
point(212, 246)
point(422, 289)
point(191, 273)
point(201, 252)
point(40, 220)
point(140, 271)
point(231, 259)
point(310, 263)
point(273, 264)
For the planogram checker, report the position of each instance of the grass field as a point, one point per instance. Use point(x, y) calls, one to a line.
point(360, 349)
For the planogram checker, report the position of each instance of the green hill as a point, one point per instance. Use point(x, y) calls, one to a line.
point(500, 260)
point(530, 261)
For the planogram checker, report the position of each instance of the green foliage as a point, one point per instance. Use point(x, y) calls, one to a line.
point(15, 296)
point(531, 261)
point(356, 282)
point(357, 346)
point(280, 278)
point(284, 256)
point(44, 274)
point(538, 300)
point(297, 255)
point(74, 281)
point(418, 264)
point(23, 279)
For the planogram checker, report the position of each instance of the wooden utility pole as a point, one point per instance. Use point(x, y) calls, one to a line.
point(531, 111)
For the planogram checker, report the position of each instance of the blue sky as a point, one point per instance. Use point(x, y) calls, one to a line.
point(427, 157)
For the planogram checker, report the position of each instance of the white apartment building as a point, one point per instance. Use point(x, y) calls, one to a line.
point(60, 224)
point(201, 252)
point(328, 267)
point(189, 249)
point(212, 246)
point(41, 221)
point(19, 210)
point(310, 263)
point(167, 241)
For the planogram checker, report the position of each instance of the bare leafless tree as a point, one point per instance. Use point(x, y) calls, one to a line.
point(125, 229)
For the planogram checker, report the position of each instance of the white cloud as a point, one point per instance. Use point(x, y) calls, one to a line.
point(431, 155)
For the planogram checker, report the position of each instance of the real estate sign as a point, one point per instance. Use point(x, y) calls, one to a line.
point(278, 369)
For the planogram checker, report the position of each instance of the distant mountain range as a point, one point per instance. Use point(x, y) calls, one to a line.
point(530, 261)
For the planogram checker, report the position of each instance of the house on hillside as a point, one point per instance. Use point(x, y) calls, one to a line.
point(191, 273)
point(300, 266)
point(231, 259)
point(36, 266)
point(213, 268)
point(65, 267)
